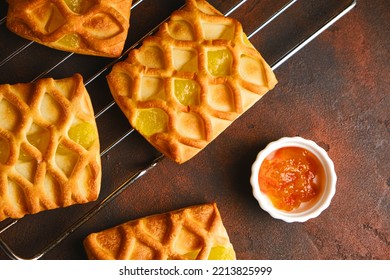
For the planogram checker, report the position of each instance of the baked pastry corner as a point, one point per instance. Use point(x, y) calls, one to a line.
point(49, 147)
point(194, 232)
point(96, 28)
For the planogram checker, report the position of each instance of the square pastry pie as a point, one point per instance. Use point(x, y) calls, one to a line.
point(92, 27)
point(188, 82)
point(195, 232)
point(49, 147)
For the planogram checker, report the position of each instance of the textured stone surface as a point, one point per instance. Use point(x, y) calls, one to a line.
point(335, 91)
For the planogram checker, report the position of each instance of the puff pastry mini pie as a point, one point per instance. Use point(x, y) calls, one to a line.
point(188, 82)
point(92, 27)
point(195, 232)
point(49, 147)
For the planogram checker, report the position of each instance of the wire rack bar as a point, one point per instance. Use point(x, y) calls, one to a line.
point(274, 16)
point(15, 53)
point(44, 73)
point(307, 40)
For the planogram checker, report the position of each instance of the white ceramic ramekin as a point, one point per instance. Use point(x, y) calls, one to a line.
point(306, 211)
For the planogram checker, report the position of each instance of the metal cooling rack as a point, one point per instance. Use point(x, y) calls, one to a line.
point(19, 50)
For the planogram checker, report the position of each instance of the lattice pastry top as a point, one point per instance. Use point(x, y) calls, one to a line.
point(195, 232)
point(93, 27)
point(49, 147)
point(190, 81)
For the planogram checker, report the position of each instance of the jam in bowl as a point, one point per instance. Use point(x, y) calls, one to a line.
point(293, 179)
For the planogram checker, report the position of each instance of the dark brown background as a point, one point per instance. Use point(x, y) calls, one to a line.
point(335, 91)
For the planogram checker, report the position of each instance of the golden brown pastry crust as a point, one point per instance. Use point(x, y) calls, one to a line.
point(183, 50)
point(97, 27)
point(164, 236)
point(42, 164)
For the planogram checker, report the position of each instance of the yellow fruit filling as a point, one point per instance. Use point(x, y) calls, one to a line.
point(216, 253)
point(246, 40)
point(151, 121)
point(222, 253)
point(70, 40)
point(219, 62)
point(79, 6)
point(187, 92)
point(84, 134)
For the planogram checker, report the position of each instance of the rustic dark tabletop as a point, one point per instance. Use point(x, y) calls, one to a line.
point(335, 91)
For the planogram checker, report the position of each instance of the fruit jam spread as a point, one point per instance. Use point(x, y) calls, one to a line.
point(291, 176)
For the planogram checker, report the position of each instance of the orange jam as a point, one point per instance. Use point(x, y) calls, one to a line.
point(290, 176)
